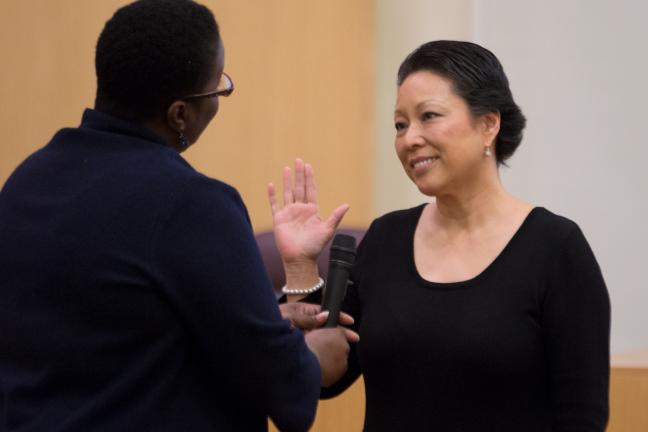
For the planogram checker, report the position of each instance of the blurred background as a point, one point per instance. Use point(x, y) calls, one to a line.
point(316, 79)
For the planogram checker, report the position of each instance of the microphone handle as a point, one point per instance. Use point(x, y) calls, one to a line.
point(335, 291)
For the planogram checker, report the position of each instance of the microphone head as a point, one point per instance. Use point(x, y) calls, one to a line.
point(343, 249)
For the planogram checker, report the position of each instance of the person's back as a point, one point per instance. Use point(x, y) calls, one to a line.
point(98, 328)
point(132, 292)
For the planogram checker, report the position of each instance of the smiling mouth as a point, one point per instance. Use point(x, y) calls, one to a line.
point(424, 162)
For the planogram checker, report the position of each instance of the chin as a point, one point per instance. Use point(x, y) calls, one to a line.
point(430, 190)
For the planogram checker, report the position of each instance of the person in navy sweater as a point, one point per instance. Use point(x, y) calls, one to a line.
point(132, 292)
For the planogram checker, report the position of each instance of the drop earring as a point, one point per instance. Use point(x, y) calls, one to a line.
point(182, 140)
point(487, 152)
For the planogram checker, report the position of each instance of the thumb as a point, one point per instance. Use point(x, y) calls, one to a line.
point(336, 217)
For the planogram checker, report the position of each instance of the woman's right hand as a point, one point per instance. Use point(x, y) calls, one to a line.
point(300, 233)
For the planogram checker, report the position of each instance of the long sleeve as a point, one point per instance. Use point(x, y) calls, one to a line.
point(209, 266)
point(576, 331)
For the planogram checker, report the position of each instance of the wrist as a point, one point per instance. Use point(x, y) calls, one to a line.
point(301, 274)
point(303, 291)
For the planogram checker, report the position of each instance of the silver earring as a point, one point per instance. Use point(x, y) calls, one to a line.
point(183, 140)
point(487, 152)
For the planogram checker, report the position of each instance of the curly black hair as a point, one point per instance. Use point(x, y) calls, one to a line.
point(152, 52)
point(478, 77)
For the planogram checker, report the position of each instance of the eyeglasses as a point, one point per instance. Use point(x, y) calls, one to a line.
point(225, 88)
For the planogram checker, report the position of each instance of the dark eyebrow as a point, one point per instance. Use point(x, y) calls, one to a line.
point(418, 105)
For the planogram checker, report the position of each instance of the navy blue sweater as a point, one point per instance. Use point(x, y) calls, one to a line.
point(133, 296)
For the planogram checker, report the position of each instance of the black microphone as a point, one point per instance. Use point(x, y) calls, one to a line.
point(340, 262)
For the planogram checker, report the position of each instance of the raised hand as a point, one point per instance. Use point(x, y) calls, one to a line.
point(300, 232)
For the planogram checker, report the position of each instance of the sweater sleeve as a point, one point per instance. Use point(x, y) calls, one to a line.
point(576, 332)
point(208, 264)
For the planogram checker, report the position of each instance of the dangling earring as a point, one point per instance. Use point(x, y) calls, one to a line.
point(183, 140)
point(487, 152)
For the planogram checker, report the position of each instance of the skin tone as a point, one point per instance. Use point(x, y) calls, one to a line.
point(300, 232)
point(190, 117)
point(307, 317)
point(298, 219)
point(443, 149)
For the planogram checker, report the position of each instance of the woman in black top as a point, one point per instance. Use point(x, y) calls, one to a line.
point(477, 311)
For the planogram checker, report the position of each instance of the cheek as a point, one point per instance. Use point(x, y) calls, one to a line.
point(400, 148)
point(212, 109)
point(402, 153)
point(461, 141)
point(205, 116)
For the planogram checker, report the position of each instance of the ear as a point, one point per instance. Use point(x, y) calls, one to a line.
point(490, 126)
point(177, 116)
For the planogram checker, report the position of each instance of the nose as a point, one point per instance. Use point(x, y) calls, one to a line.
point(413, 136)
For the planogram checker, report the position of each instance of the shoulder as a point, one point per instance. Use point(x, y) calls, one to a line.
point(199, 192)
point(550, 226)
point(560, 237)
point(398, 218)
point(392, 228)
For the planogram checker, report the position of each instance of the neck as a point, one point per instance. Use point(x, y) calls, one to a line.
point(473, 206)
point(155, 125)
point(158, 127)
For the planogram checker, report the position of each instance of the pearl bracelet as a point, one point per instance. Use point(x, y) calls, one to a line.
point(318, 285)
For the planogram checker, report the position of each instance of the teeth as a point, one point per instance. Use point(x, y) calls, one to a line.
point(424, 162)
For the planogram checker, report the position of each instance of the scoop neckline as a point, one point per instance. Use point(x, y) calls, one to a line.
point(468, 282)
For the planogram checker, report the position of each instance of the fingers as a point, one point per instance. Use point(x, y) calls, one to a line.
point(346, 319)
point(302, 316)
point(311, 189)
point(299, 191)
point(336, 217)
point(305, 322)
point(351, 336)
point(303, 190)
point(322, 317)
point(310, 308)
point(287, 187)
point(272, 197)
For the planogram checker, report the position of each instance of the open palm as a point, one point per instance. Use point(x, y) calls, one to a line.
point(300, 232)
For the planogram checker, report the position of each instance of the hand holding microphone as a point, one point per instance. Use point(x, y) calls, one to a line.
point(331, 349)
point(300, 235)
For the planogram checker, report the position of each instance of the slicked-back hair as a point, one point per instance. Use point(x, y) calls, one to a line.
point(476, 76)
point(152, 52)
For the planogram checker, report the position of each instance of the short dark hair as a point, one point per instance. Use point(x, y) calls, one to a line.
point(476, 76)
point(152, 52)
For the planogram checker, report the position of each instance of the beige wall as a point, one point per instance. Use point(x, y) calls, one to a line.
point(303, 72)
point(401, 27)
point(47, 73)
point(304, 87)
point(578, 70)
